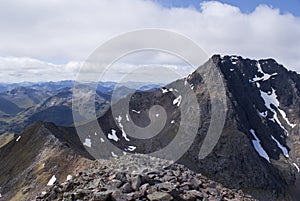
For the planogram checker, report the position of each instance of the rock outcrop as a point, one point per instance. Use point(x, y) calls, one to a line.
point(140, 177)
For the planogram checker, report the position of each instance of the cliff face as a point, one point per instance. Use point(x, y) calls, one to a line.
point(259, 144)
point(258, 149)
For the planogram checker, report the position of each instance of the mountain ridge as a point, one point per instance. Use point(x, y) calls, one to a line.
point(258, 124)
point(257, 152)
point(33, 157)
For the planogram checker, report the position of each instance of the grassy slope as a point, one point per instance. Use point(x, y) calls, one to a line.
point(37, 156)
point(5, 138)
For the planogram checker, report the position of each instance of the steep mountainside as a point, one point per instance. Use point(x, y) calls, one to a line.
point(258, 150)
point(29, 161)
point(259, 145)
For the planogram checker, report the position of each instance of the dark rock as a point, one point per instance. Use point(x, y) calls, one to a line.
point(115, 183)
point(136, 182)
point(126, 188)
point(144, 188)
point(102, 196)
point(192, 195)
point(166, 186)
point(118, 196)
point(160, 196)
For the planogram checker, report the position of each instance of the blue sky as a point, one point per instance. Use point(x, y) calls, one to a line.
point(246, 6)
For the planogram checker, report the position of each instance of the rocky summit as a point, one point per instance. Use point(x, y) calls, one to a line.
point(139, 177)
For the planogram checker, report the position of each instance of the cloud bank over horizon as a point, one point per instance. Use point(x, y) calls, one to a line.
point(48, 40)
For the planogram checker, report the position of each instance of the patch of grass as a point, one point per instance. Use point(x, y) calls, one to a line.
point(19, 196)
point(6, 138)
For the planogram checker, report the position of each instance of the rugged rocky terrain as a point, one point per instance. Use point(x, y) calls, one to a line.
point(259, 144)
point(139, 177)
point(258, 150)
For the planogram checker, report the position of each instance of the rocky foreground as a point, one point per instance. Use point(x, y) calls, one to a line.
point(140, 177)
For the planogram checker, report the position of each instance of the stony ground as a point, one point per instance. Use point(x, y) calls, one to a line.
point(140, 177)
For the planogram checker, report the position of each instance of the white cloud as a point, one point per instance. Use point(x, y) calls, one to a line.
point(61, 30)
point(18, 69)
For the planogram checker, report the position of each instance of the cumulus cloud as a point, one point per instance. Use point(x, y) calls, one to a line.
point(60, 33)
point(18, 69)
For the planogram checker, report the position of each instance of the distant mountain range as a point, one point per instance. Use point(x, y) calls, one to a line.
point(258, 151)
point(21, 106)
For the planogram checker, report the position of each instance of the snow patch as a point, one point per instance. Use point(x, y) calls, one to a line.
point(177, 100)
point(265, 76)
point(119, 119)
point(69, 177)
point(234, 60)
point(87, 142)
point(113, 135)
point(102, 140)
point(259, 149)
point(283, 149)
point(264, 114)
point(270, 98)
point(95, 134)
point(164, 90)
point(231, 69)
point(157, 115)
point(18, 138)
point(131, 148)
point(52, 181)
point(298, 169)
point(283, 114)
point(138, 112)
point(127, 117)
point(114, 155)
point(172, 122)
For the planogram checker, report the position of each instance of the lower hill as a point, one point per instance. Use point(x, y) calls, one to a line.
point(8, 107)
point(30, 160)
